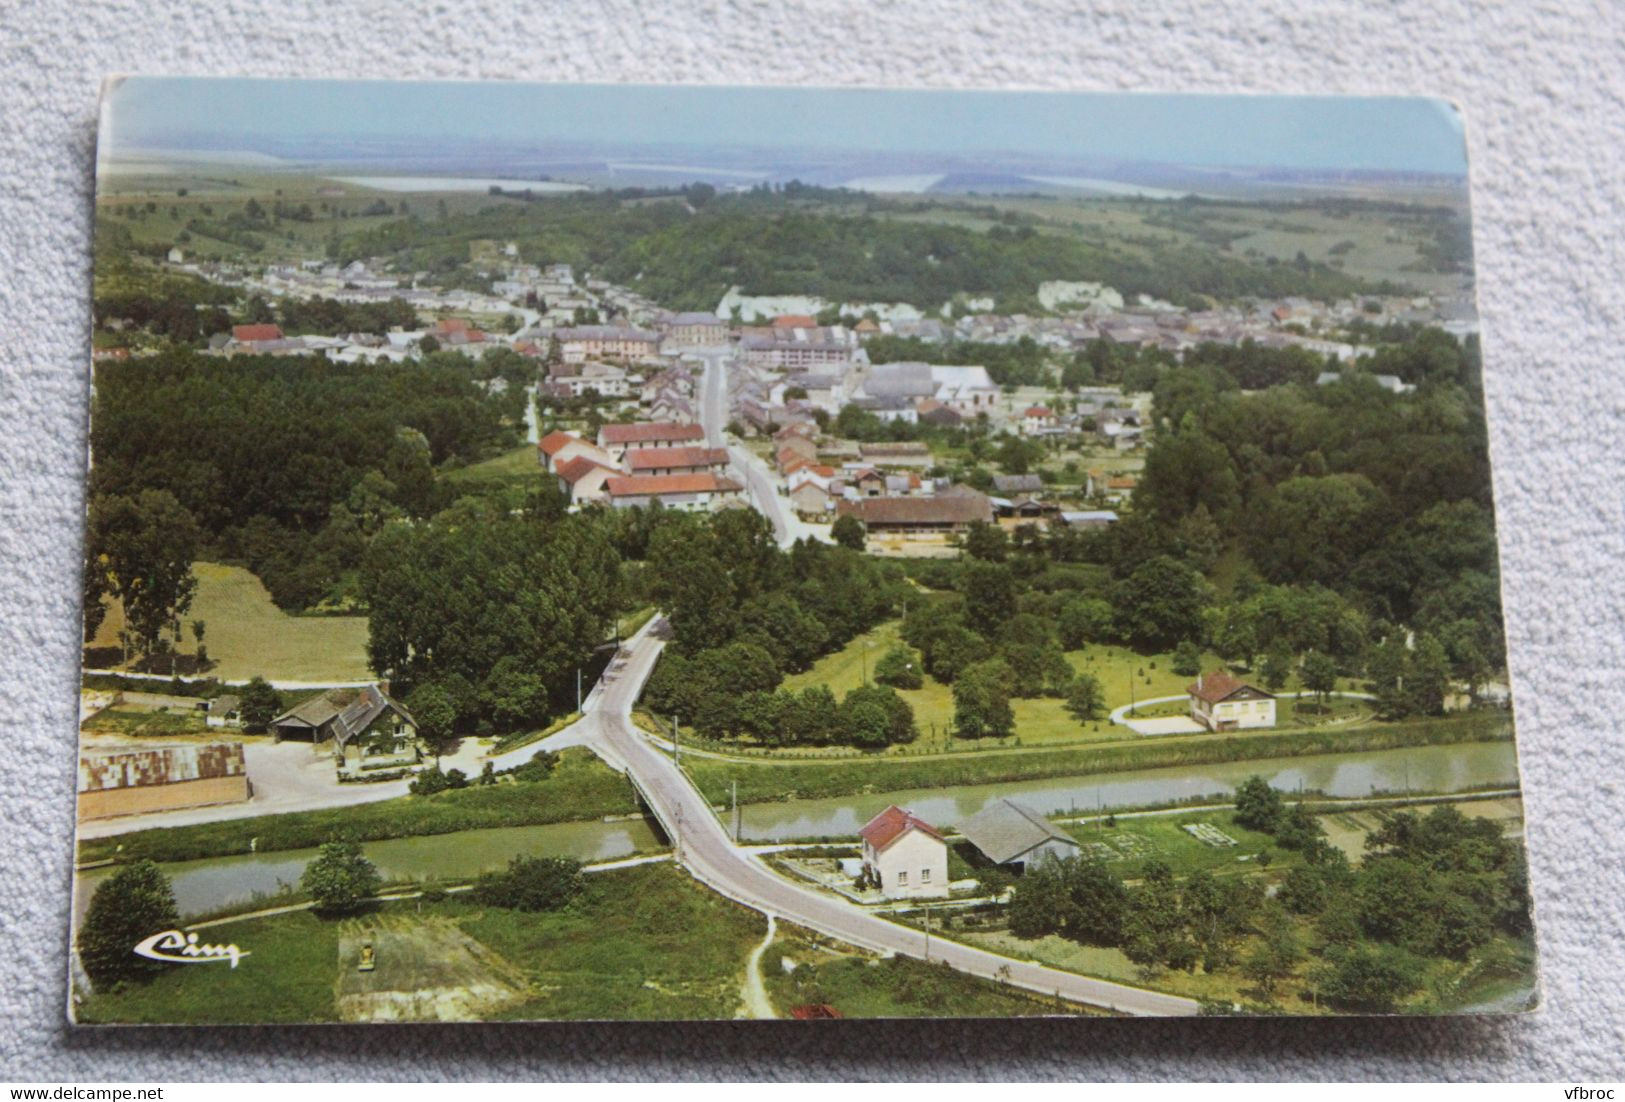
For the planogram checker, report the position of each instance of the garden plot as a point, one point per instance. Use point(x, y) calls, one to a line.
point(1209, 835)
point(426, 970)
point(1121, 847)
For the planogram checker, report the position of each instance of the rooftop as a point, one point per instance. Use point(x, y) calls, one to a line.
point(892, 824)
point(1004, 830)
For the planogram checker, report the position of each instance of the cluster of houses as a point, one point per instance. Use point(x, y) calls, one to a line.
point(641, 464)
point(1085, 312)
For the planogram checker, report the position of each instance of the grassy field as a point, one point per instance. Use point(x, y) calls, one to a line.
point(518, 465)
point(225, 189)
point(247, 635)
point(1123, 675)
point(859, 986)
point(626, 948)
point(140, 723)
point(785, 780)
point(581, 787)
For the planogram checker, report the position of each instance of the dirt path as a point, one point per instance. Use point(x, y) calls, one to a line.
point(754, 993)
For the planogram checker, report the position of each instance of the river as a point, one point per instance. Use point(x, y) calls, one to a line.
point(1453, 768)
point(215, 883)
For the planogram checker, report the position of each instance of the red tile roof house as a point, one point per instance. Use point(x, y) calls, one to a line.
point(584, 480)
point(689, 492)
point(654, 461)
point(1036, 418)
point(557, 448)
point(1221, 702)
point(906, 855)
point(617, 440)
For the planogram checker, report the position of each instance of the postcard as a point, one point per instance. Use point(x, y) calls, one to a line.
point(566, 552)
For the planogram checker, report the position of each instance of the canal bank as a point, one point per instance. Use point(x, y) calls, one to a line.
point(215, 884)
point(1445, 769)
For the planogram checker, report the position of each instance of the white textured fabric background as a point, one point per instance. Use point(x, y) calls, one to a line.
point(1543, 88)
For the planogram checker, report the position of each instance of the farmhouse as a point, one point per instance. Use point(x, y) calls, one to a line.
point(558, 448)
point(134, 780)
point(1221, 702)
point(343, 716)
point(617, 440)
point(905, 855)
point(656, 461)
point(223, 711)
point(811, 490)
point(690, 492)
point(915, 517)
point(1012, 834)
point(583, 479)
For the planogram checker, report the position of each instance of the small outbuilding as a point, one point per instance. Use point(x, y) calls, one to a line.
point(224, 711)
point(905, 855)
point(1016, 836)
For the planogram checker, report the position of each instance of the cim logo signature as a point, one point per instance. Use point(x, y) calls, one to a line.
point(179, 948)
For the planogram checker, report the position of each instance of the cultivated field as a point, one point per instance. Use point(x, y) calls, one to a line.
point(247, 635)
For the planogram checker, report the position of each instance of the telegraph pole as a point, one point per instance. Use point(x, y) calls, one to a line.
point(928, 931)
point(735, 815)
point(676, 742)
point(578, 688)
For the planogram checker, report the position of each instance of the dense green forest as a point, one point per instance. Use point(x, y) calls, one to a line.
point(1281, 527)
point(486, 612)
point(840, 246)
point(290, 464)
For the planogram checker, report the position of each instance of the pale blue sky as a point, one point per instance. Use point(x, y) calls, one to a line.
point(1332, 132)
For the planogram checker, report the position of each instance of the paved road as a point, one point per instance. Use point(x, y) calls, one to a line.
point(704, 848)
point(758, 482)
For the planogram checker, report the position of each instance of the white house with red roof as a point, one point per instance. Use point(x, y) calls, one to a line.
point(617, 440)
point(906, 855)
point(655, 461)
point(1037, 419)
point(689, 492)
point(584, 480)
point(559, 447)
point(1222, 702)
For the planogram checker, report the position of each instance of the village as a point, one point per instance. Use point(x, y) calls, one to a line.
point(895, 623)
point(606, 349)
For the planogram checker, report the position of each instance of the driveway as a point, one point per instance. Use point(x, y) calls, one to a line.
point(1165, 725)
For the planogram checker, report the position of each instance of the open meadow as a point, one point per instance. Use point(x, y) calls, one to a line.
point(248, 636)
point(619, 950)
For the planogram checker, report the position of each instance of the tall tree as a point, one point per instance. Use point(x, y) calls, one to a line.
point(146, 544)
point(132, 904)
